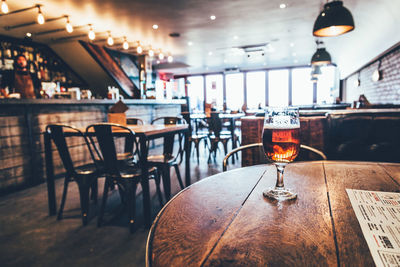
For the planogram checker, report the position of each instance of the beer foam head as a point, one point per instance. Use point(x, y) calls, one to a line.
point(282, 122)
point(281, 126)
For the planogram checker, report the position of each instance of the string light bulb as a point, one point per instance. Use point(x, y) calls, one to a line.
point(40, 17)
point(125, 44)
point(161, 56)
point(170, 59)
point(110, 40)
point(4, 7)
point(151, 52)
point(68, 26)
point(139, 49)
point(91, 33)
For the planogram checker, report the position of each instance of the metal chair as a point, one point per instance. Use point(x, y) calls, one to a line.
point(84, 175)
point(168, 159)
point(126, 175)
point(194, 137)
point(259, 147)
point(216, 135)
point(134, 121)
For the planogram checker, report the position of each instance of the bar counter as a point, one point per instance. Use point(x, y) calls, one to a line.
point(23, 121)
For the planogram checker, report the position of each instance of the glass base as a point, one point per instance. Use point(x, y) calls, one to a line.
point(279, 193)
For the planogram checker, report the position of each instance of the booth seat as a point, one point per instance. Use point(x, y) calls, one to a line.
point(365, 135)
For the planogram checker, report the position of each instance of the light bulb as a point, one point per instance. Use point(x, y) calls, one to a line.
point(40, 17)
point(69, 27)
point(151, 53)
point(161, 56)
point(139, 49)
point(4, 7)
point(125, 45)
point(110, 41)
point(170, 59)
point(91, 34)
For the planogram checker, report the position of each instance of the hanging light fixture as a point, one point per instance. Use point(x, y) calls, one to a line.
point(333, 20)
point(151, 52)
point(91, 33)
point(68, 26)
point(125, 44)
point(161, 55)
point(4, 7)
point(170, 59)
point(40, 17)
point(321, 56)
point(377, 75)
point(357, 82)
point(110, 40)
point(316, 71)
point(139, 49)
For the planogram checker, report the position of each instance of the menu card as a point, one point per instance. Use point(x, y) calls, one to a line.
point(379, 216)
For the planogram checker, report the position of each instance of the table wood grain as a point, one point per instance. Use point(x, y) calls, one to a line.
point(224, 220)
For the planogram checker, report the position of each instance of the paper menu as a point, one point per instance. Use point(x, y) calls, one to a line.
point(379, 216)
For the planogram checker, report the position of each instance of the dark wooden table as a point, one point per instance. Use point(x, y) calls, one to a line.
point(224, 220)
point(145, 133)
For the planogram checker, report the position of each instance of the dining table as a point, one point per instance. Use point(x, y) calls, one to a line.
point(144, 133)
point(224, 220)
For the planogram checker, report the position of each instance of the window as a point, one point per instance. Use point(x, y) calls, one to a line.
point(196, 93)
point(179, 88)
point(327, 89)
point(255, 86)
point(215, 91)
point(302, 87)
point(234, 91)
point(278, 88)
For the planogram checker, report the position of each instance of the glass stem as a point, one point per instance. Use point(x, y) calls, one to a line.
point(279, 179)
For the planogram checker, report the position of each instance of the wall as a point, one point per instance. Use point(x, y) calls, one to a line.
point(385, 91)
point(76, 56)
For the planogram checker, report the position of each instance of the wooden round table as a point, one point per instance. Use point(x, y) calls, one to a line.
point(224, 220)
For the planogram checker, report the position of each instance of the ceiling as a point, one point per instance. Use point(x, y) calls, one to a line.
point(287, 32)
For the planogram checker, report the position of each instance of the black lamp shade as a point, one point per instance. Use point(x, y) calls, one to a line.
point(334, 20)
point(321, 57)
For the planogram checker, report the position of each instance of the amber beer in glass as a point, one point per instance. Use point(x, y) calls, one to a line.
point(281, 142)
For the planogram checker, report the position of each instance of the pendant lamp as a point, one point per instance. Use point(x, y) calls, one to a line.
point(321, 56)
point(333, 20)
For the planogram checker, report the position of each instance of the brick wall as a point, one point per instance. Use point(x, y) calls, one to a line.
point(385, 91)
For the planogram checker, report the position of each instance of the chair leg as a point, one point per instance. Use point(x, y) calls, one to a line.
point(178, 175)
point(166, 182)
point(95, 191)
point(103, 202)
point(131, 199)
point(84, 198)
point(64, 196)
point(158, 189)
point(196, 144)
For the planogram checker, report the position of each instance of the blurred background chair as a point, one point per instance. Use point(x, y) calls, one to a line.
point(85, 175)
point(126, 175)
point(195, 136)
point(257, 150)
point(134, 121)
point(216, 135)
point(168, 158)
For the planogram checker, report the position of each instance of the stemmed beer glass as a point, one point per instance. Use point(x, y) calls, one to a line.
point(281, 142)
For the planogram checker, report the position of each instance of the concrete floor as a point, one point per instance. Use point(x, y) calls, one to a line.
point(30, 237)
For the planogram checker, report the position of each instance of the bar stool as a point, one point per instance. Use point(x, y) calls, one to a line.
point(84, 175)
point(167, 160)
point(126, 176)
